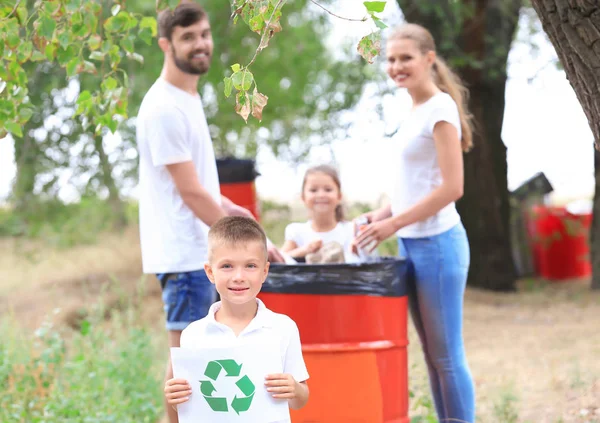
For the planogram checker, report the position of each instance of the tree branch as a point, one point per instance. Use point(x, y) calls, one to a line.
point(12, 12)
point(266, 31)
point(338, 16)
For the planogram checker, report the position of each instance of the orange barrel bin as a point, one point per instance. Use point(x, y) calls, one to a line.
point(352, 320)
point(560, 243)
point(237, 181)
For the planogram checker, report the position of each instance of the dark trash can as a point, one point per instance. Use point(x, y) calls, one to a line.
point(237, 181)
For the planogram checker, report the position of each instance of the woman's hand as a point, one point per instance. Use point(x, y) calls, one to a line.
point(375, 233)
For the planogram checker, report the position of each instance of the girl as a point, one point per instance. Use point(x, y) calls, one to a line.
point(322, 196)
point(429, 179)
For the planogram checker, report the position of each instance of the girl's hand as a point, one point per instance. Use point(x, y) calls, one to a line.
point(314, 246)
point(177, 391)
point(375, 233)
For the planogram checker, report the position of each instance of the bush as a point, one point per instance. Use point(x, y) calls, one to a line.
point(95, 375)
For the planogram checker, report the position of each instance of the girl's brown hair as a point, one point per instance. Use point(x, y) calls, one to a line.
point(332, 172)
point(444, 77)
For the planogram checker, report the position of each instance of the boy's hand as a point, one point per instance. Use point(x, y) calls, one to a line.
point(177, 391)
point(282, 386)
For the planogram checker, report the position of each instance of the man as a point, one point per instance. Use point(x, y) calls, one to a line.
point(179, 186)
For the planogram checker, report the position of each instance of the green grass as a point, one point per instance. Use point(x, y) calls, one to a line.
point(102, 373)
point(63, 225)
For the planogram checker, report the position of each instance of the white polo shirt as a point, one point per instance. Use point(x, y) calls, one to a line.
point(266, 328)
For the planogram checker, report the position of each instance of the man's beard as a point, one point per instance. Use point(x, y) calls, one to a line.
point(188, 66)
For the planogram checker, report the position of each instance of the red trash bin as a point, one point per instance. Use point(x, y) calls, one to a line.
point(560, 242)
point(352, 320)
point(237, 181)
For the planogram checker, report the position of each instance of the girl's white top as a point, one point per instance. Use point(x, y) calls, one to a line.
point(303, 234)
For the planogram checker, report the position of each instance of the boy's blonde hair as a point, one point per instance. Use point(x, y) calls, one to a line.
point(235, 231)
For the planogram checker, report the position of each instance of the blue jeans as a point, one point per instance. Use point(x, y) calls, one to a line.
point(441, 265)
point(187, 296)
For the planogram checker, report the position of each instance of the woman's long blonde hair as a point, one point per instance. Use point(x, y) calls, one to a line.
point(445, 79)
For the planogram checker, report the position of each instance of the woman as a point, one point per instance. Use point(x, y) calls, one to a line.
point(429, 179)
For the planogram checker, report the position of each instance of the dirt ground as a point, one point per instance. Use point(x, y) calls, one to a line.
point(534, 355)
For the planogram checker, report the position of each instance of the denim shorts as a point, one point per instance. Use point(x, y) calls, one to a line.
point(187, 296)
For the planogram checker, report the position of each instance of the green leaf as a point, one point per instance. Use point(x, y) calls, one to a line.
point(228, 86)
point(91, 22)
point(37, 56)
point(65, 55)
point(14, 129)
point(25, 114)
point(84, 96)
point(47, 27)
point(94, 42)
point(116, 23)
point(76, 18)
point(13, 39)
point(109, 84)
point(51, 52)
point(257, 23)
point(145, 34)
point(51, 6)
point(24, 51)
point(64, 38)
point(112, 125)
point(379, 23)
point(115, 9)
point(96, 55)
point(235, 68)
point(73, 5)
point(242, 80)
point(375, 6)
point(150, 23)
point(72, 66)
point(127, 44)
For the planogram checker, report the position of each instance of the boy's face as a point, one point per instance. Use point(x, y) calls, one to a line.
point(238, 272)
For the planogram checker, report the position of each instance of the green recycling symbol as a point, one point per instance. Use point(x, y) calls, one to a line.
point(232, 369)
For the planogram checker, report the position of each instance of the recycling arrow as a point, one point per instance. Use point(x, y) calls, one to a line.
point(243, 403)
point(244, 384)
point(213, 368)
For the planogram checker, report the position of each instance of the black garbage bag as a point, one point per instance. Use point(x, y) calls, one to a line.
point(386, 277)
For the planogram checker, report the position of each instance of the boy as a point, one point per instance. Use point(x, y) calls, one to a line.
point(237, 266)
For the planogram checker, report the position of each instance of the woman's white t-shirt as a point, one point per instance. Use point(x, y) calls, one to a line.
point(418, 172)
point(303, 234)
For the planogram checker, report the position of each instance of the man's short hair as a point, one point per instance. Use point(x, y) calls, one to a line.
point(186, 14)
point(235, 231)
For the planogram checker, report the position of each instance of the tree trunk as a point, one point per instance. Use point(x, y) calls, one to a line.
point(480, 34)
point(595, 232)
point(574, 29)
point(26, 153)
point(114, 198)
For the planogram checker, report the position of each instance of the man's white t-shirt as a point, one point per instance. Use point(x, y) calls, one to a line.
point(303, 234)
point(418, 171)
point(172, 128)
point(267, 328)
